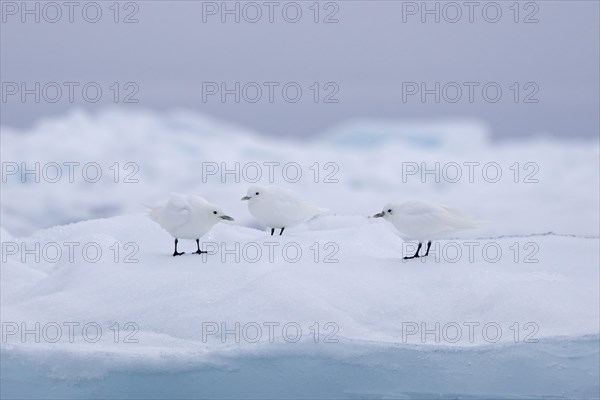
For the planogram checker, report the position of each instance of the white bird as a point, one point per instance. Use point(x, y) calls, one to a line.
point(425, 220)
point(279, 208)
point(187, 217)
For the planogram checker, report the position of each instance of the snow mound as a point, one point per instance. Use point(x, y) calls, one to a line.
point(356, 303)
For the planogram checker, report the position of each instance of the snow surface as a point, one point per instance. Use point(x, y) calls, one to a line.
point(366, 303)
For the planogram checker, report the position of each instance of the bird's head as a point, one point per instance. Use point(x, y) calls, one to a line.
point(386, 213)
point(215, 214)
point(254, 193)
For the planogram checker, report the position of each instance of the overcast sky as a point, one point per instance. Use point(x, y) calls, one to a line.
point(373, 57)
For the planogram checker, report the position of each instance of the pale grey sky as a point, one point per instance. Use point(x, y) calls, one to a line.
point(377, 53)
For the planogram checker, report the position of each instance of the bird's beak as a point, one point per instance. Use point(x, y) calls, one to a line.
point(227, 218)
point(246, 198)
point(378, 215)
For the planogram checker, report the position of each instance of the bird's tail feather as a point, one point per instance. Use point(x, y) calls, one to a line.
point(152, 211)
point(148, 206)
point(461, 220)
point(322, 212)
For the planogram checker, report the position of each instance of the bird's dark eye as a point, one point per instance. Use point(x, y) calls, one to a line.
point(256, 193)
point(390, 211)
point(214, 212)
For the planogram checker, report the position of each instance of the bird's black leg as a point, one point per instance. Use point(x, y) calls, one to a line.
point(428, 246)
point(272, 231)
point(416, 253)
point(175, 253)
point(198, 246)
point(281, 231)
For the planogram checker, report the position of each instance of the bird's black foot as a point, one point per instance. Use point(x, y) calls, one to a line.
point(176, 253)
point(416, 255)
point(428, 247)
point(280, 232)
point(272, 231)
point(198, 247)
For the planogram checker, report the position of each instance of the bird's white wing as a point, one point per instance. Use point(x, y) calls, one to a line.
point(176, 212)
point(420, 208)
point(288, 202)
point(429, 218)
point(427, 207)
point(459, 219)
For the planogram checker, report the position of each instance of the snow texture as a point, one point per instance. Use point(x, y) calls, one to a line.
point(508, 310)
